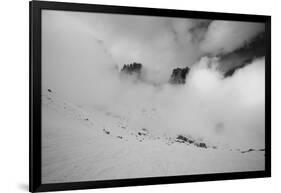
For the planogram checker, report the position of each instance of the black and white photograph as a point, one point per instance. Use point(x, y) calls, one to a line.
point(135, 96)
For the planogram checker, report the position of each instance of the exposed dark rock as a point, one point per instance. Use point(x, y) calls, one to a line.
point(144, 129)
point(142, 133)
point(49, 90)
point(106, 132)
point(231, 62)
point(234, 69)
point(189, 140)
point(133, 68)
point(184, 139)
point(181, 138)
point(201, 144)
point(251, 149)
point(179, 75)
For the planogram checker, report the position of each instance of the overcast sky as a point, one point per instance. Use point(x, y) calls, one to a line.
point(159, 43)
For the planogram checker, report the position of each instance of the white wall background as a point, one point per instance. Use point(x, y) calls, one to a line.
point(14, 96)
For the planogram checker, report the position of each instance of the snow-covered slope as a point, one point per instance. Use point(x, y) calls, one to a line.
point(82, 144)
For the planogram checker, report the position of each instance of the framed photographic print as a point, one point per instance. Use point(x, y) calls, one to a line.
point(125, 96)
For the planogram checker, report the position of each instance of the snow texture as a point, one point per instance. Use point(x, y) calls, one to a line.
point(86, 144)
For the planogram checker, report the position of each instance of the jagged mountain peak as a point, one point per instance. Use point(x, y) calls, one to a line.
point(133, 68)
point(179, 75)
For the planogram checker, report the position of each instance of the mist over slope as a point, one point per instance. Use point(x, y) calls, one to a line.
point(79, 64)
point(208, 105)
point(171, 96)
point(81, 144)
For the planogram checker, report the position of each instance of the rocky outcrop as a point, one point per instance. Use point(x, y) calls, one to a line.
point(179, 75)
point(234, 69)
point(133, 68)
point(231, 62)
point(184, 139)
point(189, 140)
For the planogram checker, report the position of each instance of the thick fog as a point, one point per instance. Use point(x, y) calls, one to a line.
point(82, 54)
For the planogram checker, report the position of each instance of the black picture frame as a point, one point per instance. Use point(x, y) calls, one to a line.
point(35, 184)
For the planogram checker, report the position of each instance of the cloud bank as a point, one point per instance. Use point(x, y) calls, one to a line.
point(83, 53)
point(227, 36)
